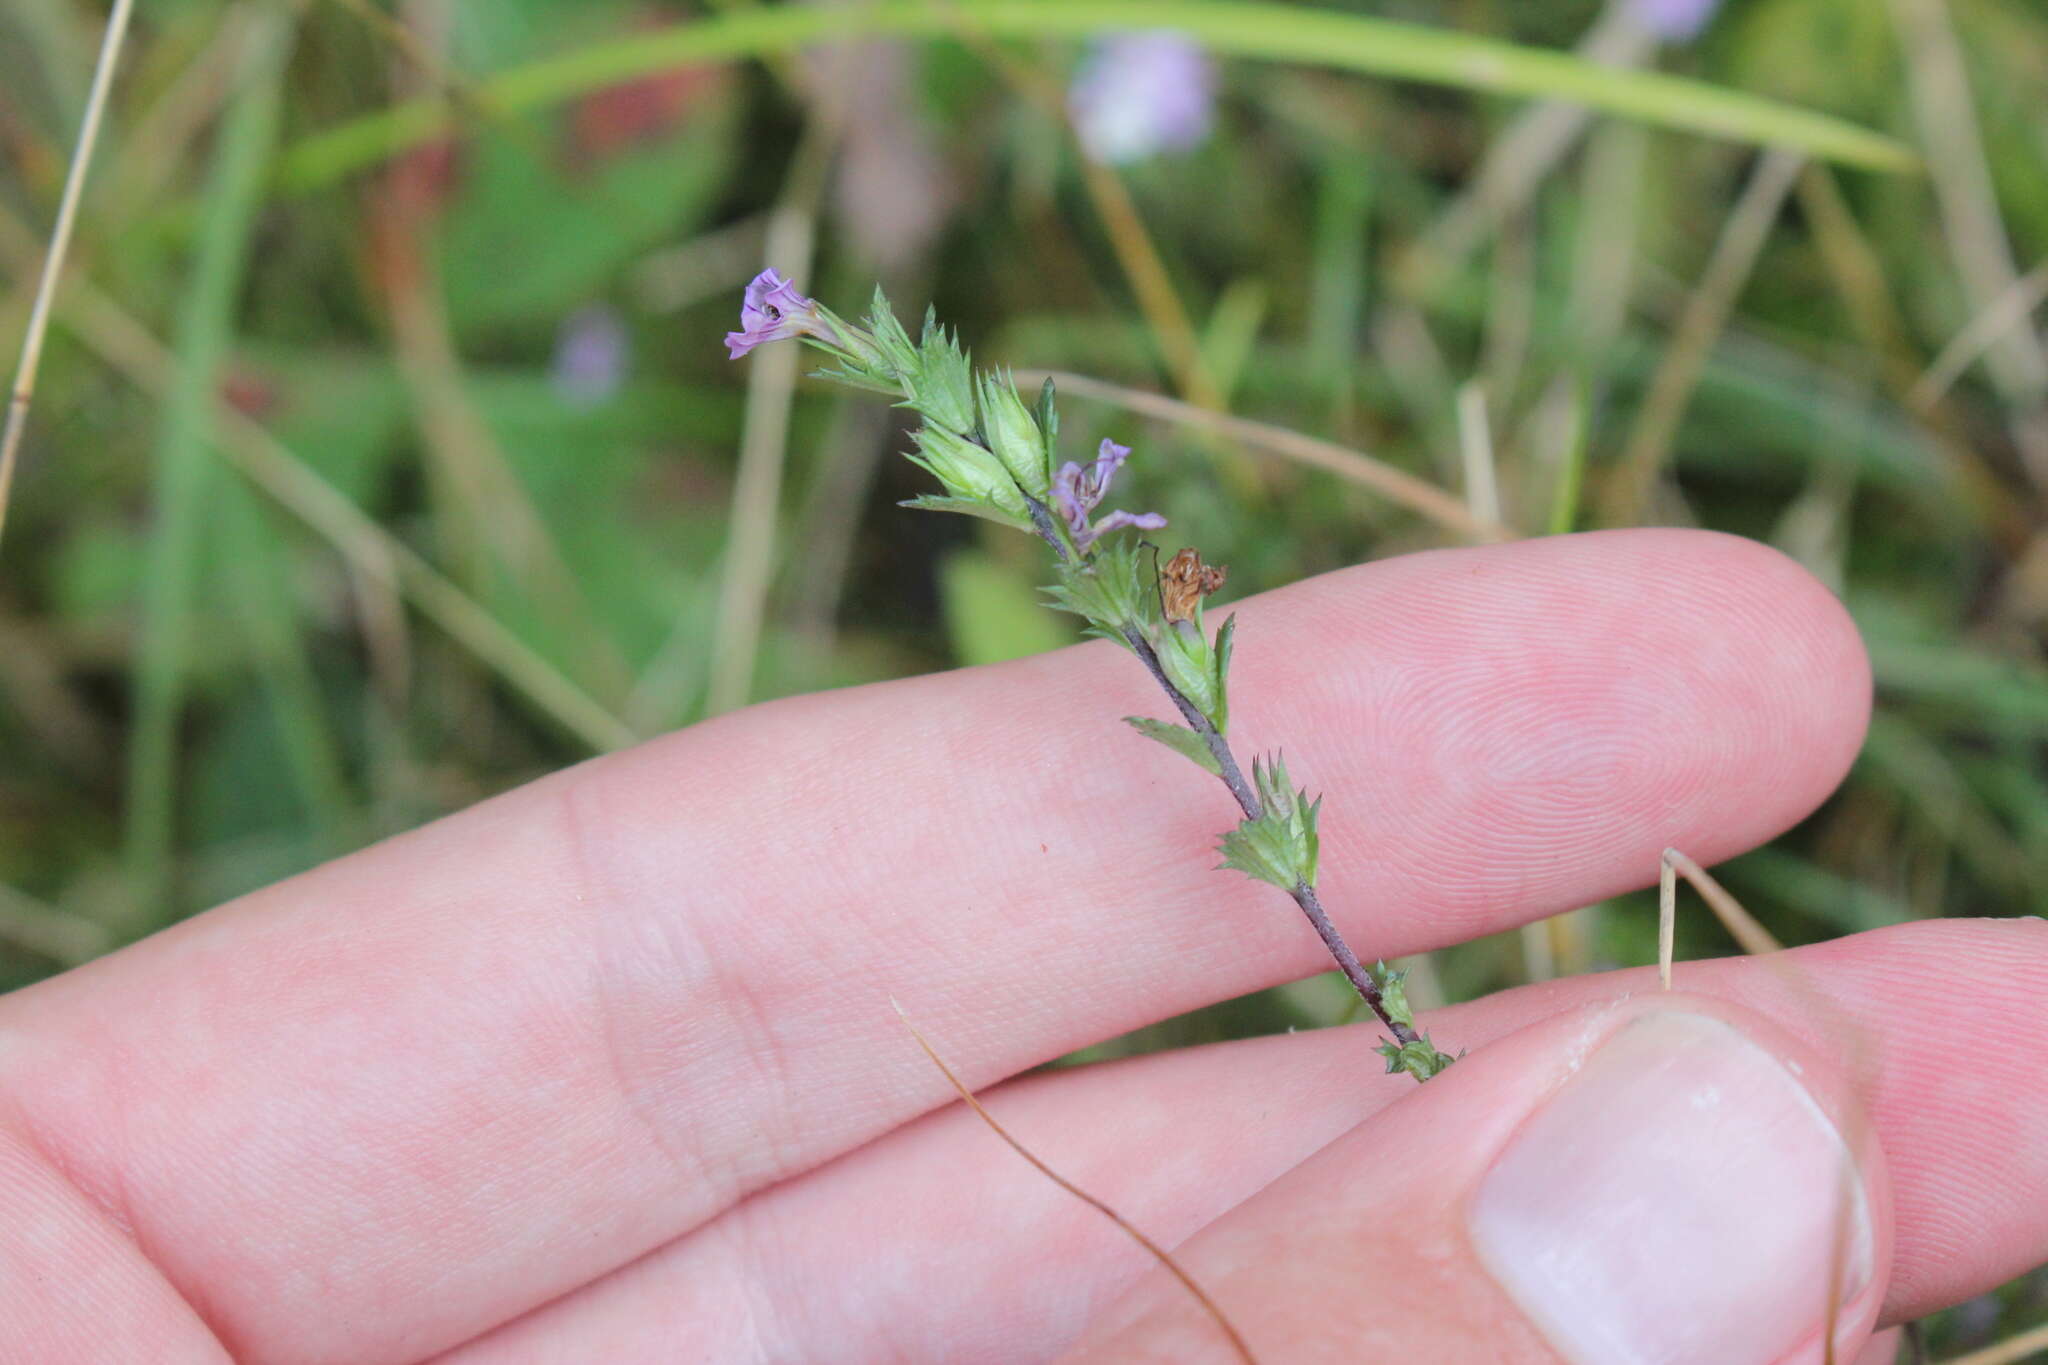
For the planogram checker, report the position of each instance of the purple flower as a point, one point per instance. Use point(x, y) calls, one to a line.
point(1139, 94)
point(591, 351)
point(1078, 492)
point(1675, 21)
point(774, 311)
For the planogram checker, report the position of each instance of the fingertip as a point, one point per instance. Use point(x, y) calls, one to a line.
point(1820, 657)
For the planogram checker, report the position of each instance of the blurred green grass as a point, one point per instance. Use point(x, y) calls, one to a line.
point(222, 661)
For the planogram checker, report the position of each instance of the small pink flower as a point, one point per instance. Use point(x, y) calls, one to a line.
point(592, 352)
point(1078, 492)
point(1137, 95)
point(1676, 21)
point(774, 311)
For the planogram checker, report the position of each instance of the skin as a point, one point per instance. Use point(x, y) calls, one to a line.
point(606, 1069)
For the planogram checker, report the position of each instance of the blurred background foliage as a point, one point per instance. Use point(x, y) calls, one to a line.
point(368, 477)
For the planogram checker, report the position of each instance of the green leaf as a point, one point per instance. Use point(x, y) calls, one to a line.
point(854, 379)
point(895, 343)
point(932, 502)
point(1281, 846)
point(1178, 738)
point(1393, 986)
point(1295, 34)
point(944, 390)
point(1105, 589)
point(1186, 656)
point(1226, 636)
point(1049, 424)
point(970, 472)
point(1419, 1059)
point(1013, 433)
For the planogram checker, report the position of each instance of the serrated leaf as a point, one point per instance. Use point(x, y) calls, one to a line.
point(932, 502)
point(1226, 636)
point(945, 379)
point(853, 379)
point(890, 338)
point(1178, 738)
point(1419, 1059)
point(1049, 423)
point(1392, 983)
point(1281, 846)
point(1104, 589)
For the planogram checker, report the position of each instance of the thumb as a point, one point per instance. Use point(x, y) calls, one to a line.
point(1664, 1179)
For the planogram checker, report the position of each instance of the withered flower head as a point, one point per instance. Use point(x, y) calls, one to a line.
point(1185, 581)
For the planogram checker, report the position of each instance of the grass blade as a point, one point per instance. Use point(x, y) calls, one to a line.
point(183, 463)
point(1270, 32)
point(257, 570)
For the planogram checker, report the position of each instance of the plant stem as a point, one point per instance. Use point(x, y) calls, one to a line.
point(1354, 970)
point(1219, 748)
point(1247, 799)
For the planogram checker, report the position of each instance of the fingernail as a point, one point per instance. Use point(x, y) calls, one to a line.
point(1680, 1198)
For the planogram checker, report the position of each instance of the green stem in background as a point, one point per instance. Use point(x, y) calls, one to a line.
point(253, 565)
point(1272, 32)
point(184, 464)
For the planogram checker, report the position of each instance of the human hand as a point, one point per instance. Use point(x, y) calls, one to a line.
point(604, 1070)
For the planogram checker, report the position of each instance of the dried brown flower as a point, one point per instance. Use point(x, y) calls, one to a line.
point(1185, 581)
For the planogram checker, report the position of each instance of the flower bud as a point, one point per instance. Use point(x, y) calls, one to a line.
point(1014, 435)
point(969, 471)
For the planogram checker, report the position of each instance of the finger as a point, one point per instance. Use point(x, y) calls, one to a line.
point(1667, 1178)
point(937, 1243)
point(516, 1049)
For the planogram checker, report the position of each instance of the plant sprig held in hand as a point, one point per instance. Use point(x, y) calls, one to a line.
point(998, 459)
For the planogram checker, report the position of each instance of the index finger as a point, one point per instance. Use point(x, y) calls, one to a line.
point(513, 1050)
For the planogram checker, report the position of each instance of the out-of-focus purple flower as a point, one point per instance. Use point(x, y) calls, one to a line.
point(1139, 94)
point(1676, 21)
point(591, 352)
point(773, 311)
point(1078, 492)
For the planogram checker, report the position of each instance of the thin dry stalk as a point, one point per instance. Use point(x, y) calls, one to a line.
point(60, 245)
point(1418, 496)
point(1940, 86)
point(1475, 446)
point(1939, 83)
point(1858, 275)
point(749, 566)
point(1699, 326)
point(1159, 1254)
point(2008, 311)
point(1752, 936)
